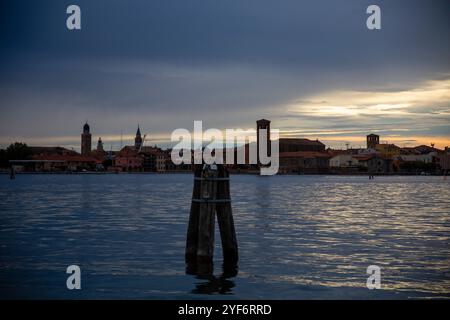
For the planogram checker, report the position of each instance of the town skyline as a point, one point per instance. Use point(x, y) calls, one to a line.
point(286, 156)
point(115, 142)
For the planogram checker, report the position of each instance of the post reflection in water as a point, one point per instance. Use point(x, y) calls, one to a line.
point(212, 284)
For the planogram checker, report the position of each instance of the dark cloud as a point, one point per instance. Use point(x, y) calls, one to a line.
point(166, 63)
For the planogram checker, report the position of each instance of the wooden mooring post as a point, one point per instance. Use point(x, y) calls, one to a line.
point(211, 195)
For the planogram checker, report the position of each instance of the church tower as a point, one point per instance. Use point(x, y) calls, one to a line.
point(372, 141)
point(260, 125)
point(138, 139)
point(86, 140)
point(100, 145)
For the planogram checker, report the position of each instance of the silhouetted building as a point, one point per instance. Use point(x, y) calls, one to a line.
point(63, 163)
point(444, 160)
point(295, 145)
point(262, 124)
point(423, 149)
point(100, 145)
point(150, 155)
point(304, 162)
point(50, 151)
point(372, 141)
point(129, 159)
point(388, 149)
point(86, 140)
point(138, 139)
point(288, 144)
point(375, 163)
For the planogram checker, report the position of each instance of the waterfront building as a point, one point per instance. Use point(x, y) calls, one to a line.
point(423, 149)
point(409, 151)
point(161, 159)
point(63, 163)
point(343, 161)
point(304, 162)
point(295, 145)
point(444, 160)
point(150, 155)
point(388, 150)
point(129, 159)
point(289, 144)
point(361, 151)
point(296, 155)
point(431, 157)
point(49, 151)
point(170, 166)
point(375, 163)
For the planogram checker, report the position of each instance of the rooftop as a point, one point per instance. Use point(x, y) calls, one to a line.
point(305, 154)
point(300, 141)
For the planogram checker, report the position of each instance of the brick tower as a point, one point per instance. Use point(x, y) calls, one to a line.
point(86, 140)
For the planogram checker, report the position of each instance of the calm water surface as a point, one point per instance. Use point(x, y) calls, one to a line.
point(300, 237)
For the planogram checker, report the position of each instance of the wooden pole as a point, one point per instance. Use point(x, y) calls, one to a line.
point(211, 194)
point(225, 220)
point(192, 234)
point(206, 216)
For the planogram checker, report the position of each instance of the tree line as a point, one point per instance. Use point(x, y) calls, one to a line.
point(15, 151)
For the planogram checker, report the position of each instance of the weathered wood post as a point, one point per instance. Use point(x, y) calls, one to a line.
point(225, 219)
point(211, 195)
point(206, 215)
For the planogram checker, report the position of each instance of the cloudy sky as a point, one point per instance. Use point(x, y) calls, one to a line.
point(312, 67)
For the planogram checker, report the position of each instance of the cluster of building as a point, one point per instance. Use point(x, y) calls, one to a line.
point(135, 158)
point(376, 158)
point(304, 156)
point(297, 156)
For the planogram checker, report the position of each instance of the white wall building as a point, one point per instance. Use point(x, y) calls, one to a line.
point(426, 158)
point(343, 160)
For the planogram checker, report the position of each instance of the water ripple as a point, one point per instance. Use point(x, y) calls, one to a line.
point(295, 233)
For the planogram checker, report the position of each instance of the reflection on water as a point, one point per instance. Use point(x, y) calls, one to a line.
point(299, 237)
point(210, 283)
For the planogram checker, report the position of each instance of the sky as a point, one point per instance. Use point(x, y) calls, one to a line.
point(311, 67)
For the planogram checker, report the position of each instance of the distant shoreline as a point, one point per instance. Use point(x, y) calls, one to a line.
point(231, 173)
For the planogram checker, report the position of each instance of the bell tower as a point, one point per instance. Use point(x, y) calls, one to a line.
point(372, 141)
point(138, 139)
point(100, 145)
point(86, 140)
point(263, 124)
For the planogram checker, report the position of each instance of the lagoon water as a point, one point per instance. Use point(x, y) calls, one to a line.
point(300, 237)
